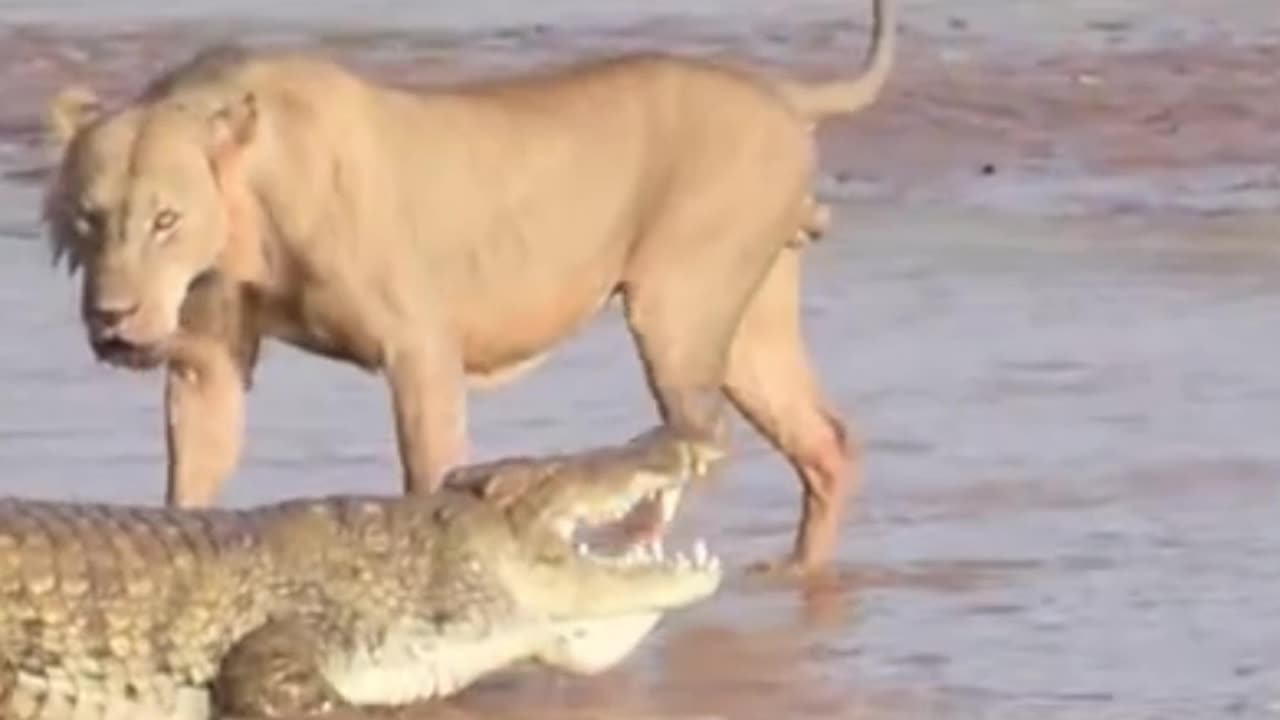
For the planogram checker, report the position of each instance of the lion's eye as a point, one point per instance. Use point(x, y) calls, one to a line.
point(164, 220)
point(83, 225)
point(87, 222)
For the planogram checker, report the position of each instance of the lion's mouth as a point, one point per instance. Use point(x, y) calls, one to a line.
point(133, 356)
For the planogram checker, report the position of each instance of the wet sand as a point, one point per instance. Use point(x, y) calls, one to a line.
point(1044, 303)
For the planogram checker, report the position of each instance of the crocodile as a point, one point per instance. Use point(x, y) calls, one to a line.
point(341, 602)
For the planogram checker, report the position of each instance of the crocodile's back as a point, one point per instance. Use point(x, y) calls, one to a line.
point(101, 603)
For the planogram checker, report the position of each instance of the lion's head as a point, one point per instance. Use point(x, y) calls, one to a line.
point(138, 205)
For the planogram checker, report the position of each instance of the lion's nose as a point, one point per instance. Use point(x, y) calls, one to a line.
point(112, 314)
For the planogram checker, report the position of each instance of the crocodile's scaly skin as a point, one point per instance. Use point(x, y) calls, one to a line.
point(100, 603)
point(119, 612)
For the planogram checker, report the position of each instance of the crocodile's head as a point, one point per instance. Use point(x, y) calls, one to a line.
point(600, 603)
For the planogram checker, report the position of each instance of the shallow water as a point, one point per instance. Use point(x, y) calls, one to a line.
point(1072, 472)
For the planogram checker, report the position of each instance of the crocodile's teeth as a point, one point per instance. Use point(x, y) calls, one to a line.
point(656, 551)
point(583, 549)
point(713, 564)
point(682, 562)
point(700, 553)
point(670, 500)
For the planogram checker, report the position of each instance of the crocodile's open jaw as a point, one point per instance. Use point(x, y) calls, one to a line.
point(646, 577)
point(599, 592)
point(600, 589)
point(620, 548)
point(664, 501)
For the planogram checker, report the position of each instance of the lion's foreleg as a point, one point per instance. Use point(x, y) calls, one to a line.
point(210, 367)
point(204, 422)
point(429, 403)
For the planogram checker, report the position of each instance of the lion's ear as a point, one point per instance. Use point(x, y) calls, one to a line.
point(70, 111)
point(234, 123)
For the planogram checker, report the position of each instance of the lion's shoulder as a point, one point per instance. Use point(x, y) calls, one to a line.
point(214, 64)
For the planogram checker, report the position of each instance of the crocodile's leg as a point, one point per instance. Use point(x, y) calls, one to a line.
point(274, 672)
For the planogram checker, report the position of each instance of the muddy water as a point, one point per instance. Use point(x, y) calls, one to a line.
point(1070, 422)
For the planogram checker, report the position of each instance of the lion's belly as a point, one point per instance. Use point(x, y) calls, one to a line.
point(493, 376)
point(533, 287)
point(505, 345)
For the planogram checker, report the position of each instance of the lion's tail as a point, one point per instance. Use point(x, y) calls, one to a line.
point(816, 100)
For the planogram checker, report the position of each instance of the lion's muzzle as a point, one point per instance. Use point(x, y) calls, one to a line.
point(116, 336)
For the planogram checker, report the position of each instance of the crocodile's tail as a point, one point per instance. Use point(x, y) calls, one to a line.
point(820, 99)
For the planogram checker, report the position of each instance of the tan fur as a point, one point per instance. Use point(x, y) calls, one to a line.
point(456, 235)
point(73, 108)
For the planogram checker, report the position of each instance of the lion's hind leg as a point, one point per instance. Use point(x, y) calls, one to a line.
point(771, 382)
point(684, 293)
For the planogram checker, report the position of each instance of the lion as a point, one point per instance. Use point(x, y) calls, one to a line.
point(449, 238)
